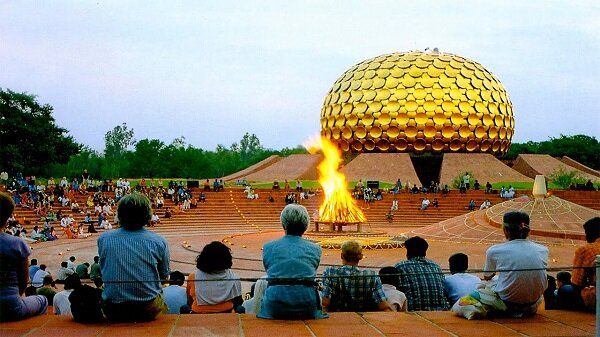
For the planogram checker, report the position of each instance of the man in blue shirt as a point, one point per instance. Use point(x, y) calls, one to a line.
point(175, 295)
point(133, 261)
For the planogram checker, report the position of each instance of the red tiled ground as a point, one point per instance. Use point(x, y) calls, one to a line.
point(546, 323)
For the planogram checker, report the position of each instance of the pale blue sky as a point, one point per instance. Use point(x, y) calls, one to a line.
point(211, 71)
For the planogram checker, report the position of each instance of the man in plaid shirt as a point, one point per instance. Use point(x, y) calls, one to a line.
point(421, 279)
point(584, 274)
point(349, 288)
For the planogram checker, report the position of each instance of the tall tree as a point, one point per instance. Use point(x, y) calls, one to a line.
point(29, 137)
point(117, 143)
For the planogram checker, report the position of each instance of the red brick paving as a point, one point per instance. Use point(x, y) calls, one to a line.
point(546, 323)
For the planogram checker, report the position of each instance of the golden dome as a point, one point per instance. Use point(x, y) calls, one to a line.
point(418, 102)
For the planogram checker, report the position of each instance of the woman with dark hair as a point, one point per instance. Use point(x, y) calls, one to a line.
point(14, 254)
point(213, 287)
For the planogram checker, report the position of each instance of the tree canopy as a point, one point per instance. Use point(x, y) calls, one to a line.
point(29, 137)
point(584, 149)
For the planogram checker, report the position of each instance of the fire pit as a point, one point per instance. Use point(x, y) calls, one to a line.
point(339, 210)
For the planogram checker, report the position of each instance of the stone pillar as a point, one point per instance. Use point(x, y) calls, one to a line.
point(539, 187)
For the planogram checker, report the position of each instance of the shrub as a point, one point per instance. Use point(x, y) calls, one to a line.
point(565, 179)
point(457, 180)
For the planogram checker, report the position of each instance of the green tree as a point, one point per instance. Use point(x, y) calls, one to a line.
point(584, 149)
point(117, 142)
point(146, 159)
point(30, 139)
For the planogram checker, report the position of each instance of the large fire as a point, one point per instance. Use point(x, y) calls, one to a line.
point(339, 206)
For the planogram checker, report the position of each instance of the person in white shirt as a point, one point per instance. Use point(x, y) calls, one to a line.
point(252, 305)
point(460, 283)
point(425, 203)
point(485, 205)
point(61, 303)
point(389, 279)
point(521, 267)
point(38, 278)
point(63, 272)
point(71, 263)
point(107, 209)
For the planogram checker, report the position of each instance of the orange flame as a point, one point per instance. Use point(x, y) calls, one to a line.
point(338, 206)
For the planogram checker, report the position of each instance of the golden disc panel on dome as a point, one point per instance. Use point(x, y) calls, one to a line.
point(421, 118)
point(401, 144)
point(439, 118)
point(465, 107)
point(464, 131)
point(411, 131)
point(351, 120)
point(502, 133)
point(356, 95)
point(485, 145)
point(383, 144)
point(446, 82)
point(496, 146)
point(359, 108)
point(448, 131)
point(499, 120)
point(392, 132)
point(375, 106)
point(375, 132)
point(335, 133)
point(480, 132)
point(448, 106)
point(411, 106)
point(473, 119)
point(346, 132)
point(402, 119)
point(393, 106)
point(420, 144)
point(457, 119)
point(382, 95)
point(488, 120)
point(368, 119)
point(429, 106)
point(437, 93)
point(429, 131)
point(419, 93)
point(471, 146)
point(437, 144)
point(455, 145)
point(360, 132)
point(418, 102)
point(493, 132)
point(408, 81)
point(385, 119)
point(369, 95)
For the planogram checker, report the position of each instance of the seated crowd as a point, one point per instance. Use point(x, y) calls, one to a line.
point(128, 286)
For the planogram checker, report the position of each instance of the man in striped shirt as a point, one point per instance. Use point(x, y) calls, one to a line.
point(133, 260)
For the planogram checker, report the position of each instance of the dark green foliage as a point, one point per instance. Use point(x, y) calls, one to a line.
point(584, 149)
point(151, 158)
point(566, 179)
point(30, 140)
